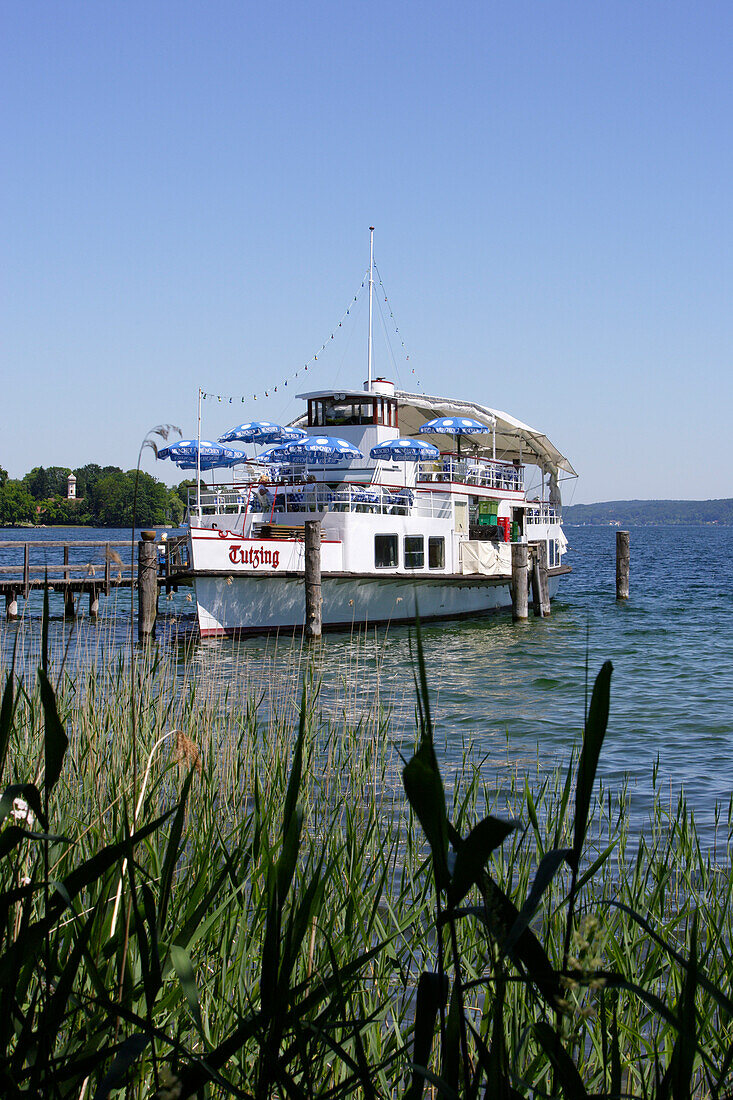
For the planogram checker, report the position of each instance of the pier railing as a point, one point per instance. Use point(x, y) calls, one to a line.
point(25, 565)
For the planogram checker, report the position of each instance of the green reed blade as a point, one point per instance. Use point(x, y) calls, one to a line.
point(424, 789)
point(685, 1048)
point(52, 1017)
point(7, 711)
point(450, 1060)
point(184, 969)
point(44, 625)
point(55, 742)
point(721, 998)
point(545, 873)
point(567, 1074)
point(432, 994)
point(128, 1053)
point(172, 851)
point(593, 734)
point(473, 853)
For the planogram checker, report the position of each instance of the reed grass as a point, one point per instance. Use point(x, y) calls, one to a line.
point(311, 906)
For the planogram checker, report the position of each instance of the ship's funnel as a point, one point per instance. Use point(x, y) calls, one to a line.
point(382, 386)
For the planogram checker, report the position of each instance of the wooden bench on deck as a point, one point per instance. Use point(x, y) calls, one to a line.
point(281, 531)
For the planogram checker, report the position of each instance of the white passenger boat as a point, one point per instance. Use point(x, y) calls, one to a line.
point(433, 535)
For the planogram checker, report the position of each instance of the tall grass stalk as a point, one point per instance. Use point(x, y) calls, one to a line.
point(297, 927)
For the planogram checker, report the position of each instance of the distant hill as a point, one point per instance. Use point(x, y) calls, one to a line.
point(651, 512)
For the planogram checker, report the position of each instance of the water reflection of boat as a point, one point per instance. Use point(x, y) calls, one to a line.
point(435, 531)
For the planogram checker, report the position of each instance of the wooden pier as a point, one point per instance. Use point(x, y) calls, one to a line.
point(84, 567)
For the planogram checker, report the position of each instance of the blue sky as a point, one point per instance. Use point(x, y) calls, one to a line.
point(187, 189)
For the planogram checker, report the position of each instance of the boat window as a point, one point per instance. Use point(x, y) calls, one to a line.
point(315, 414)
point(436, 553)
point(385, 551)
point(414, 552)
point(339, 414)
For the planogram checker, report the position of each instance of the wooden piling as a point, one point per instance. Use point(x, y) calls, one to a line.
point(520, 593)
point(147, 586)
point(313, 578)
point(540, 589)
point(623, 564)
point(69, 606)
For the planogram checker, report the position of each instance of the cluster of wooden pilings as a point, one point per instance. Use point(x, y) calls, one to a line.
point(529, 571)
point(73, 578)
point(70, 578)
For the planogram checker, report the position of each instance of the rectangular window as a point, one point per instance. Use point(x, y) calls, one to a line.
point(385, 551)
point(414, 552)
point(338, 414)
point(436, 553)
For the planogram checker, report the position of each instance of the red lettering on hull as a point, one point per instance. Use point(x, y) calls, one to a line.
point(255, 556)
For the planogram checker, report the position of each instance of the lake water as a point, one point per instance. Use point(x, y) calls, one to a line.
point(515, 694)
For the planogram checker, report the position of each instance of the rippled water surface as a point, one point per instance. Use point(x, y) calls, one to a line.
point(515, 694)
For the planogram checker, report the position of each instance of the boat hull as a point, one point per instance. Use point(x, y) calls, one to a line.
point(234, 605)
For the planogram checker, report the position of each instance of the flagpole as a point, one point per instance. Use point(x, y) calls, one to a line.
point(198, 462)
point(371, 291)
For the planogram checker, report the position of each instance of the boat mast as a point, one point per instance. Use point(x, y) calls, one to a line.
point(371, 291)
point(198, 459)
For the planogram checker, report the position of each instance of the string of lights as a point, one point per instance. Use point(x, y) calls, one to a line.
point(417, 382)
point(231, 399)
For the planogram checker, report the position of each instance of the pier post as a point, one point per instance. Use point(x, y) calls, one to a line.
point(11, 605)
point(623, 565)
point(520, 593)
point(147, 586)
point(540, 590)
point(69, 608)
point(312, 578)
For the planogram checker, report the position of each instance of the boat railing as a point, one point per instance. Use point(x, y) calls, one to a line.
point(267, 501)
point(542, 514)
point(484, 472)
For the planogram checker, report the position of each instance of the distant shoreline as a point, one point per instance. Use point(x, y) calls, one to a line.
point(651, 513)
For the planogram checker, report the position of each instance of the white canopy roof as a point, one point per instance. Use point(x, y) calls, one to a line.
point(513, 438)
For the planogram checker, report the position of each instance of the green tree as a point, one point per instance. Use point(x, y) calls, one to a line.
point(111, 500)
point(88, 476)
point(16, 504)
point(3, 476)
point(177, 508)
point(43, 483)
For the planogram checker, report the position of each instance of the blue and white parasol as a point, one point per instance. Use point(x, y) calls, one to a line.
point(455, 425)
point(273, 456)
point(207, 453)
point(405, 450)
point(319, 450)
point(262, 431)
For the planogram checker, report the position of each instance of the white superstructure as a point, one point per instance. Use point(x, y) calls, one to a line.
point(436, 533)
